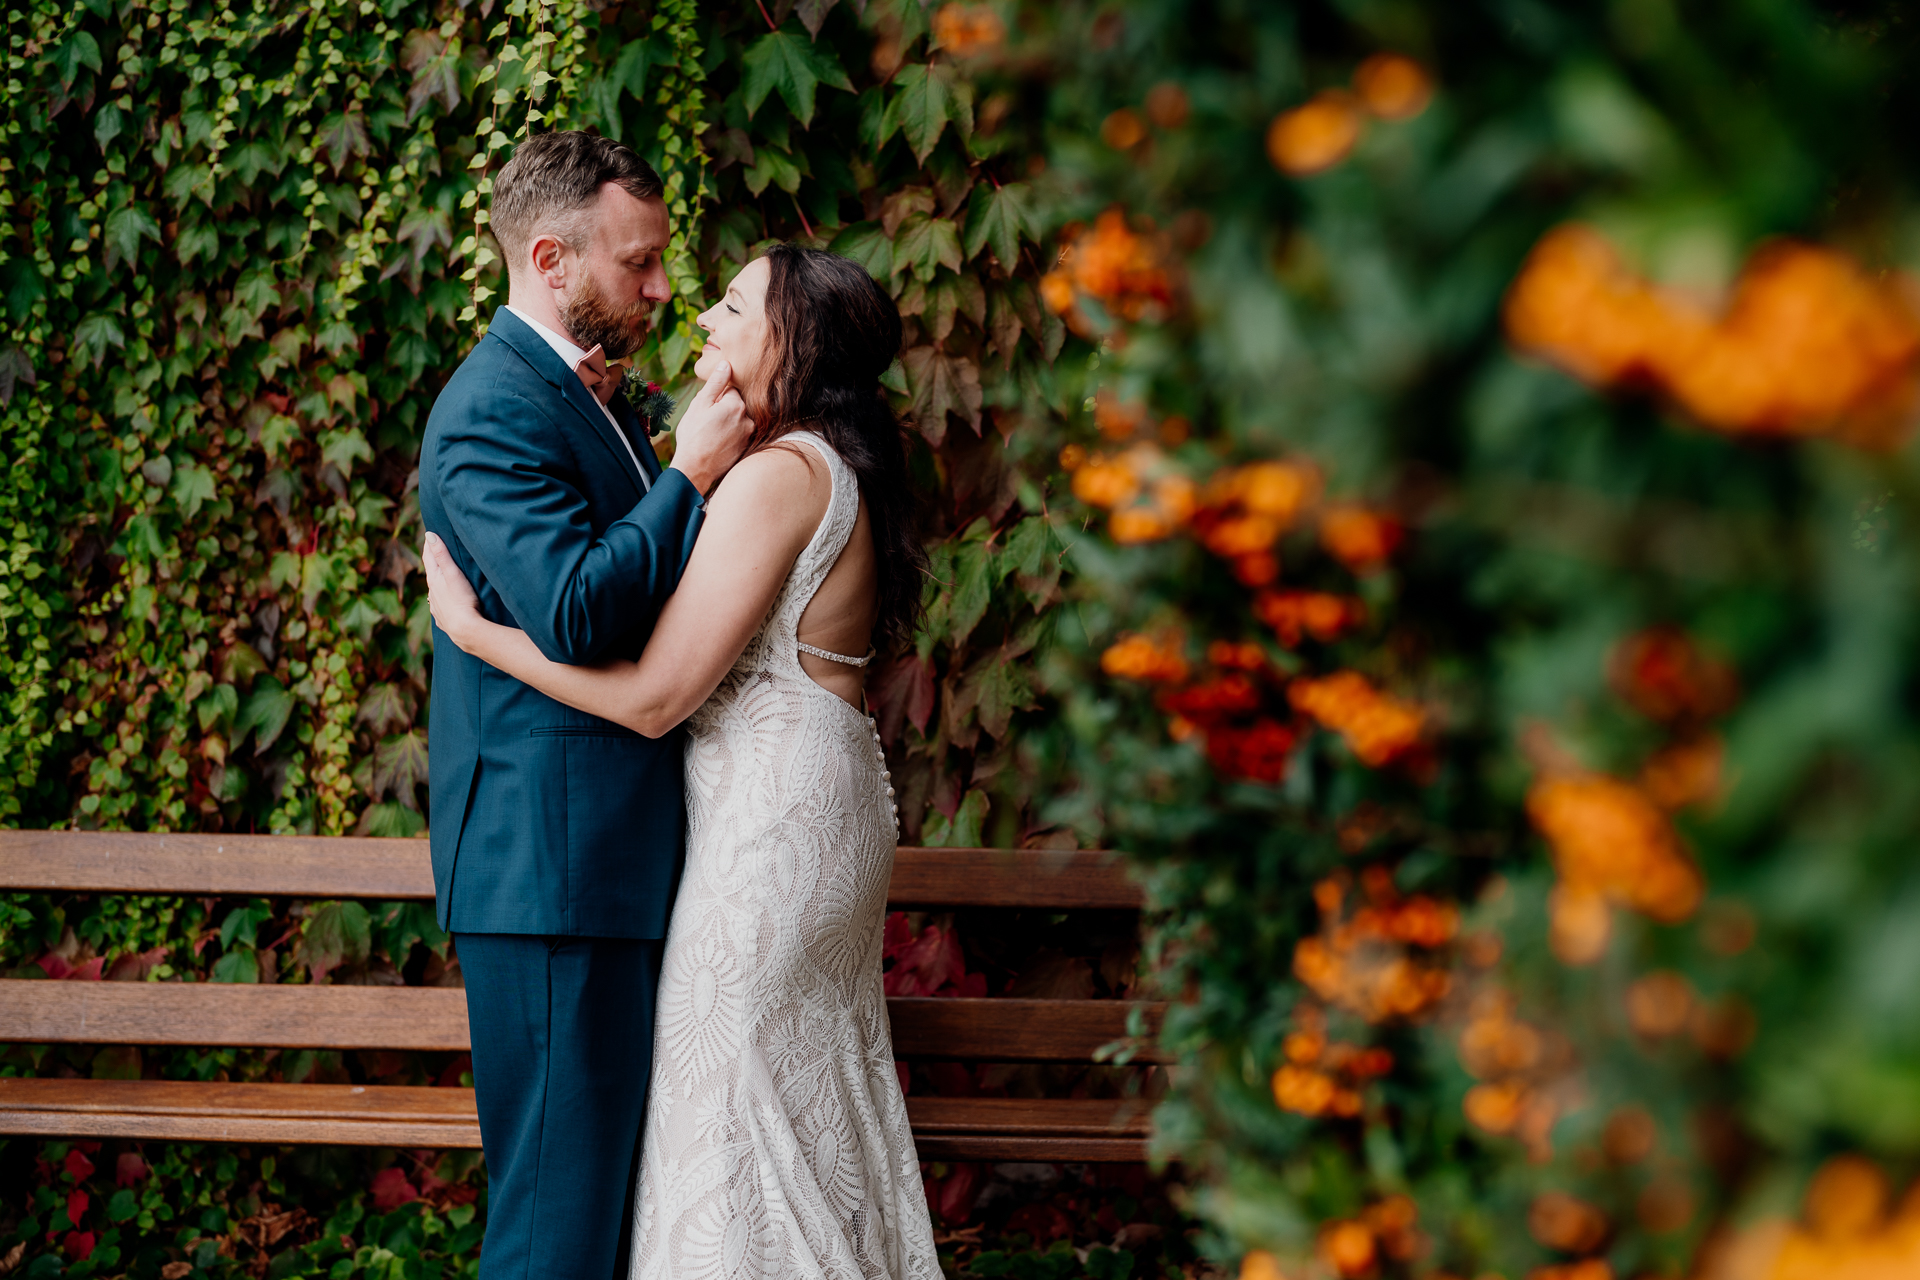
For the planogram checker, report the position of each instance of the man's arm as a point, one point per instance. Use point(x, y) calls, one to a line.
point(514, 510)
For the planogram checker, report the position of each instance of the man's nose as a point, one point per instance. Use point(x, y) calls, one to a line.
point(656, 287)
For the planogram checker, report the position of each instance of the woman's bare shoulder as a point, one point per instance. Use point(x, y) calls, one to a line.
point(785, 483)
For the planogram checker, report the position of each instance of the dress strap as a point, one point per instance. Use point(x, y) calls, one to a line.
point(804, 647)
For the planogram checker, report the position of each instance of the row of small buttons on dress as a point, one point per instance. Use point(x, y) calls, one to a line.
point(880, 754)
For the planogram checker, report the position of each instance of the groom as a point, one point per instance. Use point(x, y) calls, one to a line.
point(557, 835)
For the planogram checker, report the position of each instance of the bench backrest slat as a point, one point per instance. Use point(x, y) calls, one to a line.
point(328, 1017)
point(398, 870)
point(1002, 1029)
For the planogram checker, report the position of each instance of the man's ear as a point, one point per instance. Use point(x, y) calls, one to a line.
point(549, 260)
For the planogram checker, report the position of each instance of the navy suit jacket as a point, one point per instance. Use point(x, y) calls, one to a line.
point(548, 820)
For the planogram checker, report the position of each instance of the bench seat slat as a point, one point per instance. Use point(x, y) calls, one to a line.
point(232, 1015)
point(399, 870)
point(1002, 1029)
point(373, 1115)
point(435, 1018)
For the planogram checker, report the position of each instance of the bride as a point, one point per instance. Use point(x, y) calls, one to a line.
point(776, 1140)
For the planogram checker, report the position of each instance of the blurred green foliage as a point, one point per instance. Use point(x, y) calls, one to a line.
point(1351, 318)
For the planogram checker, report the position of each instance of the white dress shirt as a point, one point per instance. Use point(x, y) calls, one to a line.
point(571, 355)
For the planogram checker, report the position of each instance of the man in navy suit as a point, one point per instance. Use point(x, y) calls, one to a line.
point(557, 836)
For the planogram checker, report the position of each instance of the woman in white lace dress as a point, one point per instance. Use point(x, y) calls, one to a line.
point(776, 1142)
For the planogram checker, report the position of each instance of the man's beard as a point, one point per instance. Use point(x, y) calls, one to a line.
point(593, 319)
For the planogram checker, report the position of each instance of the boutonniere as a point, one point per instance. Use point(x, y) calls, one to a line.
point(649, 399)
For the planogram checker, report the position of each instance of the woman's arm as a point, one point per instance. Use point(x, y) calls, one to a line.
point(757, 523)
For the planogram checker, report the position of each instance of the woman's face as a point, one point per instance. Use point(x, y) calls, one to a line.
point(737, 328)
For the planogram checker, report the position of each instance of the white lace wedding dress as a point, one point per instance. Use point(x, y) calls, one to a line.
point(776, 1142)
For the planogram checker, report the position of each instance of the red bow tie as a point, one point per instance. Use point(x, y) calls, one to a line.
point(602, 378)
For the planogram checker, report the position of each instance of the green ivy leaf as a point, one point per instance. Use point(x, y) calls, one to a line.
point(219, 704)
point(402, 924)
point(333, 934)
point(107, 124)
point(390, 818)
point(964, 830)
point(400, 767)
point(78, 50)
point(384, 709)
point(93, 335)
point(782, 61)
point(193, 487)
point(15, 367)
point(244, 923)
point(998, 217)
point(924, 102)
point(972, 590)
point(276, 433)
point(942, 384)
point(197, 240)
point(264, 713)
point(342, 448)
point(342, 136)
point(926, 244)
point(242, 964)
point(772, 166)
point(867, 244)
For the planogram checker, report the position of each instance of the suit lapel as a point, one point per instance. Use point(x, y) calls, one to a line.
point(532, 348)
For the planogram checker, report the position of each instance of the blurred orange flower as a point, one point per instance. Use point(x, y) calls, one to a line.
point(1124, 269)
point(1378, 727)
point(1809, 344)
point(1138, 657)
point(1123, 130)
point(967, 29)
point(1361, 964)
point(1559, 1221)
point(1611, 844)
point(1360, 539)
point(1665, 676)
point(1393, 86)
point(1316, 136)
point(1349, 1246)
point(1104, 482)
point(1294, 613)
point(1846, 1232)
point(1685, 773)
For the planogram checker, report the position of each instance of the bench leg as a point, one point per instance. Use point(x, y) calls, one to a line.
point(562, 1051)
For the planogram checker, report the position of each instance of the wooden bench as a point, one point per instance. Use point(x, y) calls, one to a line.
point(295, 1016)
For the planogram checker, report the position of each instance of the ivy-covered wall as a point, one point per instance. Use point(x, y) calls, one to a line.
point(245, 247)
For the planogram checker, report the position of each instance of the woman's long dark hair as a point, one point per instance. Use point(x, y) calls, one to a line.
point(832, 331)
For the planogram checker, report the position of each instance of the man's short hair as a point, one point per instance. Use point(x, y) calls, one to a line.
point(551, 180)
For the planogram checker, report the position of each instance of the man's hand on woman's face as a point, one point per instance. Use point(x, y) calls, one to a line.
point(449, 595)
point(713, 432)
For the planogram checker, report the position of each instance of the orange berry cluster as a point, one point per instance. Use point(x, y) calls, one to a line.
point(1666, 677)
point(1526, 1081)
point(1138, 657)
point(1244, 510)
point(1612, 845)
point(1362, 964)
point(1241, 743)
point(1323, 132)
point(1293, 614)
point(1126, 270)
point(1809, 344)
point(1377, 726)
point(1352, 1247)
point(1323, 1078)
point(967, 29)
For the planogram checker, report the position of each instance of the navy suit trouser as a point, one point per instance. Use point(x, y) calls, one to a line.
point(562, 1052)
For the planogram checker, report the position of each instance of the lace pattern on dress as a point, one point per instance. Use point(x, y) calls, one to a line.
point(777, 1145)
